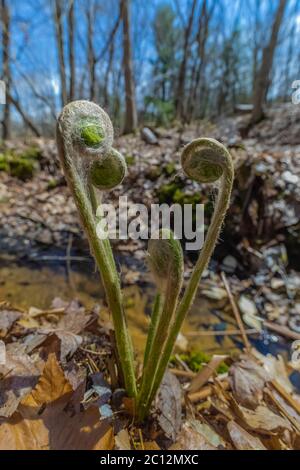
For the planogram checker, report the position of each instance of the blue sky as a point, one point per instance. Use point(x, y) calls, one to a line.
point(34, 50)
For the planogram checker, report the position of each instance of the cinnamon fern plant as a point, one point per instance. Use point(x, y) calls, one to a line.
point(84, 140)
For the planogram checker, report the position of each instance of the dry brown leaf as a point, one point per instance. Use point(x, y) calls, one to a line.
point(19, 374)
point(2, 353)
point(262, 419)
point(190, 439)
point(247, 381)
point(7, 319)
point(241, 439)
point(55, 430)
point(168, 404)
point(288, 411)
point(74, 319)
point(151, 445)
point(62, 342)
point(208, 432)
point(122, 440)
point(48, 418)
point(51, 386)
point(276, 370)
point(28, 323)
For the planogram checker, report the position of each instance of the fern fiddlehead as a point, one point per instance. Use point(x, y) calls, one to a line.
point(84, 140)
point(204, 161)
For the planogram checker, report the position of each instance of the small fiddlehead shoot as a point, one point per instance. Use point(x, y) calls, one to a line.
point(204, 161)
point(84, 140)
point(165, 259)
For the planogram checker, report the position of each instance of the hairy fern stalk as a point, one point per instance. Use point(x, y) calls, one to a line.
point(84, 140)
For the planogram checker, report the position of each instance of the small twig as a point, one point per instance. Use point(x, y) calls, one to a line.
point(182, 363)
point(206, 392)
point(95, 367)
point(96, 353)
point(282, 330)
point(53, 311)
point(141, 439)
point(183, 373)
point(61, 258)
point(236, 312)
point(204, 374)
point(221, 333)
point(68, 261)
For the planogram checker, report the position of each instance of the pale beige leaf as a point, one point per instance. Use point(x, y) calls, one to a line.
point(189, 439)
point(122, 440)
point(263, 420)
point(2, 353)
point(241, 439)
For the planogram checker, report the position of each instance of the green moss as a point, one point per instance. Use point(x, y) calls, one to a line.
point(4, 165)
point(196, 360)
point(170, 169)
point(166, 192)
point(22, 168)
point(31, 153)
point(53, 183)
point(153, 173)
point(174, 193)
point(130, 160)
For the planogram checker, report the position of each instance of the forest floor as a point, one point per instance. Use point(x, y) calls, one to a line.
point(58, 365)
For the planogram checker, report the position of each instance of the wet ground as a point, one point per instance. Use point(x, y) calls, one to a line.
point(36, 285)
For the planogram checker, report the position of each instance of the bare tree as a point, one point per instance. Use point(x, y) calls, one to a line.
point(5, 15)
point(59, 30)
point(31, 125)
point(91, 55)
point(179, 99)
point(262, 80)
point(71, 27)
point(197, 74)
point(130, 103)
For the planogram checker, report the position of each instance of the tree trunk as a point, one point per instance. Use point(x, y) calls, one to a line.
point(179, 100)
point(197, 85)
point(71, 23)
point(90, 51)
point(262, 81)
point(6, 67)
point(60, 49)
point(130, 104)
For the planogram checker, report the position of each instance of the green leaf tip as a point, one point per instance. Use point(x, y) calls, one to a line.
point(91, 133)
point(108, 172)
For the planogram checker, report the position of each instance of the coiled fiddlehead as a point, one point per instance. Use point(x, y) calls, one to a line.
point(204, 161)
point(84, 140)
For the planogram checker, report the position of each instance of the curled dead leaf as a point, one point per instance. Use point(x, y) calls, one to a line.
point(247, 381)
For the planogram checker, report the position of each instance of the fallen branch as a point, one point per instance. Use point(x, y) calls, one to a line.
point(236, 312)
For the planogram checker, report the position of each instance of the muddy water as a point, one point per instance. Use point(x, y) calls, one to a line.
point(25, 287)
